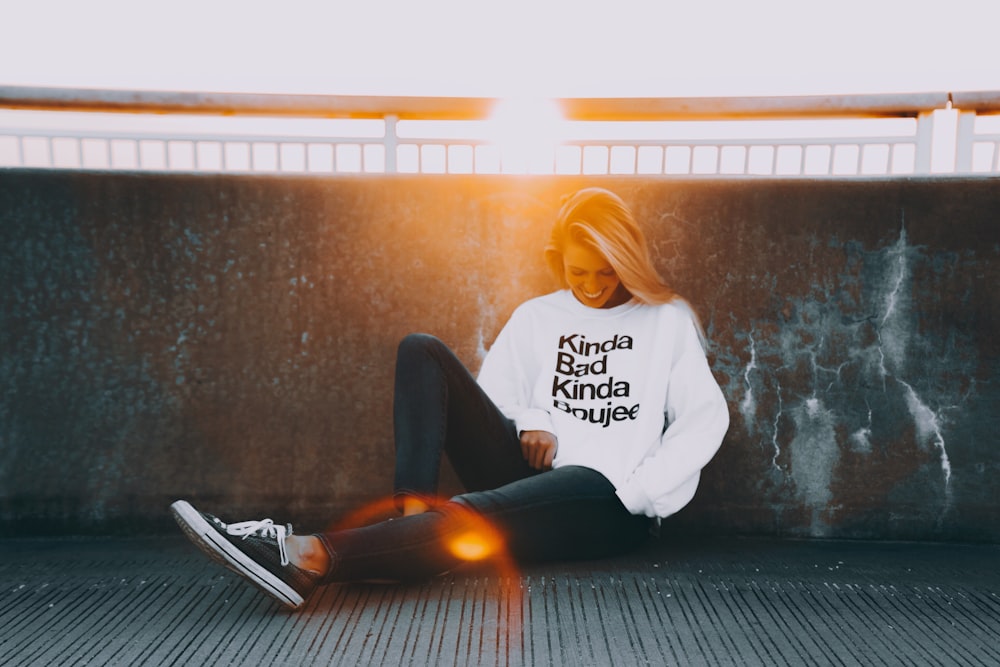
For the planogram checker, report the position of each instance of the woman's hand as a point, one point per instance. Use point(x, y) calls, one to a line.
point(539, 448)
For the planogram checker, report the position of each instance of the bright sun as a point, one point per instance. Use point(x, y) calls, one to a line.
point(526, 131)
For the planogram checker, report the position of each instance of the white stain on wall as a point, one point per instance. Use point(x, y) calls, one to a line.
point(928, 425)
point(893, 328)
point(775, 444)
point(894, 335)
point(748, 406)
point(814, 455)
point(835, 377)
point(862, 438)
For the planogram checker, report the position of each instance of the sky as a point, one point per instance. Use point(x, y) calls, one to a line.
point(530, 48)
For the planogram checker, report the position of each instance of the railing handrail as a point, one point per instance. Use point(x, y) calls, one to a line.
point(468, 108)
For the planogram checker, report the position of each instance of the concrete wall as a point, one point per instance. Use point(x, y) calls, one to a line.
point(230, 339)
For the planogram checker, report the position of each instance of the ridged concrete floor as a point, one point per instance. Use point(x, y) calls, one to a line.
point(157, 601)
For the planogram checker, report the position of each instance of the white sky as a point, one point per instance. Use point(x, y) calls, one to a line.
point(548, 48)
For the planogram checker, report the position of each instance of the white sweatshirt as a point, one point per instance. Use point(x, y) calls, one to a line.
point(627, 391)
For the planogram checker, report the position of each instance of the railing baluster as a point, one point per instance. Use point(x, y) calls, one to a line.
point(391, 143)
point(924, 138)
point(965, 138)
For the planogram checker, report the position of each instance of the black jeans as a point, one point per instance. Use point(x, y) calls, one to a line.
point(567, 513)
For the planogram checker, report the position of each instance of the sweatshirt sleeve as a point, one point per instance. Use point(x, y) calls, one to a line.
point(697, 419)
point(507, 375)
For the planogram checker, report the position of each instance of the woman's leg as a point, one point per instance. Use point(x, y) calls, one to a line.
point(562, 514)
point(439, 407)
point(566, 513)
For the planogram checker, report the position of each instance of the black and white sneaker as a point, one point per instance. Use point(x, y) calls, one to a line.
point(253, 549)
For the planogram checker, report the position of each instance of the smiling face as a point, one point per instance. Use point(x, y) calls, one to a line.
point(591, 278)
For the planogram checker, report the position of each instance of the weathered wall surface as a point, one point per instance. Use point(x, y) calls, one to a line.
point(230, 339)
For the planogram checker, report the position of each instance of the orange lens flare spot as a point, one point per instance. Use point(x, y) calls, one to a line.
point(472, 546)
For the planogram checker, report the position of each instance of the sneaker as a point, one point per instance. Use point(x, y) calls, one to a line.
point(252, 549)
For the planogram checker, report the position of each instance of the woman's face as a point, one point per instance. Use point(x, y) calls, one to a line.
point(591, 278)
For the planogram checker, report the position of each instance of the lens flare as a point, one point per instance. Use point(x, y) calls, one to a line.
point(472, 546)
point(478, 546)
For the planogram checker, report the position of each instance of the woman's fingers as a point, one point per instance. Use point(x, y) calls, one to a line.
point(538, 448)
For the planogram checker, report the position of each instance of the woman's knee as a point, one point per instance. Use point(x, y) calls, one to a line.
point(418, 343)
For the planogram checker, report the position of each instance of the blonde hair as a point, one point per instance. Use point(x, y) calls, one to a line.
point(601, 221)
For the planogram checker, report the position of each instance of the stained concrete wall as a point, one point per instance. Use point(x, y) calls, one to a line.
point(230, 339)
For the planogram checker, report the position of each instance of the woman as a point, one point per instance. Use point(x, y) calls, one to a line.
point(593, 414)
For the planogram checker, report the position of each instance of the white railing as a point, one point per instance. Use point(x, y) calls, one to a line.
point(978, 143)
point(859, 147)
point(161, 151)
point(812, 137)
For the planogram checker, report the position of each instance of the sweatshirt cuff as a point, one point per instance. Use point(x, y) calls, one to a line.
point(534, 420)
point(634, 500)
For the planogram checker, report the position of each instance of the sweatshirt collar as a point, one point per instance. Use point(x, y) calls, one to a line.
point(571, 304)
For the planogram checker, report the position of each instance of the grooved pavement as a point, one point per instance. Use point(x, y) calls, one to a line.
point(733, 601)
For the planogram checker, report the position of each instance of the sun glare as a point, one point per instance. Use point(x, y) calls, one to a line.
point(526, 131)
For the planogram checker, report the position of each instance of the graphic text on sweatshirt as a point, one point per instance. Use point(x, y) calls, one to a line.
point(582, 376)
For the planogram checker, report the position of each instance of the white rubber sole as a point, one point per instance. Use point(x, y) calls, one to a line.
point(220, 550)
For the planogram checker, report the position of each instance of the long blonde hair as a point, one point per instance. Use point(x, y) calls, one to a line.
point(601, 221)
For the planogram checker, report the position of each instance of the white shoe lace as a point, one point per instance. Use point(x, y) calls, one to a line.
point(265, 528)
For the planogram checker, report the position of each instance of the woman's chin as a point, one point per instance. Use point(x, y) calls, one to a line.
point(592, 301)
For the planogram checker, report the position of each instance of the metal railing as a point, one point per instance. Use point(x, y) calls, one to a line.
point(978, 143)
point(868, 135)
